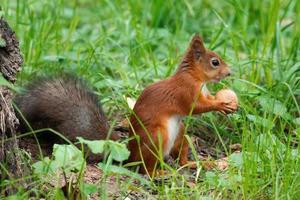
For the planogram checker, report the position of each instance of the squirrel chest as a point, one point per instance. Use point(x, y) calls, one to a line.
point(173, 128)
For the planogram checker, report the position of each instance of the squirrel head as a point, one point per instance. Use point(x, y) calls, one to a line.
point(203, 64)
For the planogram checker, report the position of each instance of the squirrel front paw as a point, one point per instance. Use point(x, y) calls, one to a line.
point(226, 107)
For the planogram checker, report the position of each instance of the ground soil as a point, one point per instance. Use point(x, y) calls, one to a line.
point(204, 146)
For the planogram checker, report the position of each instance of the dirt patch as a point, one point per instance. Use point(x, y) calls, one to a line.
point(115, 185)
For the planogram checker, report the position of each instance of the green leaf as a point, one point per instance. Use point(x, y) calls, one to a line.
point(58, 194)
point(243, 87)
point(205, 197)
point(54, 58)
point(236, 160)
point(230, 181)
point(14, 197)
point(123, 171)
point(261, 121)
point(212, 178)
point(224, 181)
point(294, 153)
point(117, 151)
point(45, 166)
point(297, 121)
point(291, 71)
point(272, 105)
point(96, 146)
point(68, 157)
point(271, 145)
point(87, 188)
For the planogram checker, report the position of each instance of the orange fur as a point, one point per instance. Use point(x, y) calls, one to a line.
point(176, 96)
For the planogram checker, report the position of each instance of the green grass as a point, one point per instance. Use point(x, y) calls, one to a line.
point(122, 46)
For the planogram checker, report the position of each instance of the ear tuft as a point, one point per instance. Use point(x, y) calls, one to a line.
point(197, 46)
point(197, 37)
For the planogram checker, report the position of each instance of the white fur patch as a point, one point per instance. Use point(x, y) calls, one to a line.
point(204, 90)
point(173, 130)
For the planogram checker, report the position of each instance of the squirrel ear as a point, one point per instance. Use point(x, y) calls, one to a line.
point(197, 46)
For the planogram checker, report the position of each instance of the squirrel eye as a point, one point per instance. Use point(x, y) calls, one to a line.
point(215, 62)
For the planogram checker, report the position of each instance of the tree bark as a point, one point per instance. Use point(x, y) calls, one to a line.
point(12, 164)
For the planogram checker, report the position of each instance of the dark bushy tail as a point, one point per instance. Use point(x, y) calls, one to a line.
point(66, 105)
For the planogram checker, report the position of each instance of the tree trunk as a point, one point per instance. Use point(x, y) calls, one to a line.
point(12, 164)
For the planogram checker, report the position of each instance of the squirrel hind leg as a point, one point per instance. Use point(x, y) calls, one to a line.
point(147, 153)
point(150, 162)
point(181, 148)
point(140, 153)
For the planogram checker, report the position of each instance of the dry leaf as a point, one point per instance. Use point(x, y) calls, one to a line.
point(191, 184)
point(208, 164)
point(222, 164)
point(130, 102)
point(235, 147)
point(124, 123)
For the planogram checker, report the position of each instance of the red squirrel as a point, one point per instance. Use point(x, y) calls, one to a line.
point(156, 122)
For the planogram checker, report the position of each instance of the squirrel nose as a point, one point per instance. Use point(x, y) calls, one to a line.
point(228, 73)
